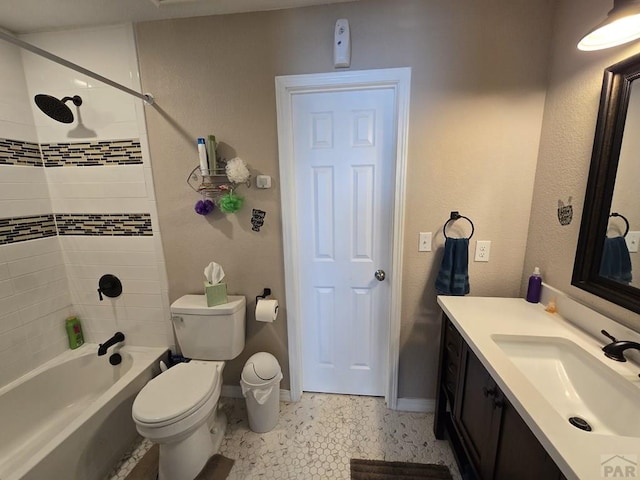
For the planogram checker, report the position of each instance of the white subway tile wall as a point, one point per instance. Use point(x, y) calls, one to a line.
point(139, 311)
point(34, 301)
point(45, 280)
point(16, 119)
point(23, 191)
point(109, 51)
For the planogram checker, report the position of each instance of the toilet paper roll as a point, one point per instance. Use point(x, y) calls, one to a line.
point(266, 310)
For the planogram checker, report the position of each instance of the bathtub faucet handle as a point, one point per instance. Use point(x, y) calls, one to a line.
point(110, 285)
point(117, 338)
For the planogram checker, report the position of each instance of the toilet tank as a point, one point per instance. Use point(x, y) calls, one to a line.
point(209, 333)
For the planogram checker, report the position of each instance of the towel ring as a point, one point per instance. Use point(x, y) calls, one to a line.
point(626, 222)
point(455, 216)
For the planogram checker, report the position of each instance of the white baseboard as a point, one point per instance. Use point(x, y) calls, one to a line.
point(423, 405)
point(233, 391)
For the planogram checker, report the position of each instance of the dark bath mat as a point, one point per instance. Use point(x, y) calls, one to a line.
point(381, 470)
point(216, 468)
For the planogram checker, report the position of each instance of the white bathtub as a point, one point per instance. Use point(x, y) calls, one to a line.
point(71, 418)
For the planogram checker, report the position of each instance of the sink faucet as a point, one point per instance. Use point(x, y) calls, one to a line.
point(118, 337)
point(615, 350)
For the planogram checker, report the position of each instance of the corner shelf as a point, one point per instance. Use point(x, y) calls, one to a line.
point(213, 186)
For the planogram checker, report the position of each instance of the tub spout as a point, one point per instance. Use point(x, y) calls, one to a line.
point(118, 337)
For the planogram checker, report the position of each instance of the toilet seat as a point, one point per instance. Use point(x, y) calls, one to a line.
point(176, 393)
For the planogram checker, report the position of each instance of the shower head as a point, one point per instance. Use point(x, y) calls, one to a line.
point(57, 109)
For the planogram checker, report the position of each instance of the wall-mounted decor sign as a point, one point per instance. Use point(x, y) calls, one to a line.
point(565, 212)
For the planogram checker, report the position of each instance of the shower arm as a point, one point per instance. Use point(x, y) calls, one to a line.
point(148, 98)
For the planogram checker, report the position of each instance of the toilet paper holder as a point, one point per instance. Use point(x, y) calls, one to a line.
point(265, 293)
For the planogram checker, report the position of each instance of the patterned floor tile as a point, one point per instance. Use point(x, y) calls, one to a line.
point(316, 437)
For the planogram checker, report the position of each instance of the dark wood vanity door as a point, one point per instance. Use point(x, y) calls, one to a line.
point(448, 366)
point(452, 351)
point(477, 416)
point(520, 455)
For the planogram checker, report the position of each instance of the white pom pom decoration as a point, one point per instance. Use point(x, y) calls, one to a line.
point(237, 171)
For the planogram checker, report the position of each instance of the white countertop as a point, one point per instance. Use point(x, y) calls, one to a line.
point(577, 453)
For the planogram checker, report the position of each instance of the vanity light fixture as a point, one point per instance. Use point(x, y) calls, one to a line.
point(622, 25)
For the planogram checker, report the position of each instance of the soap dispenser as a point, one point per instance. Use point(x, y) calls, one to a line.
point(535, 286)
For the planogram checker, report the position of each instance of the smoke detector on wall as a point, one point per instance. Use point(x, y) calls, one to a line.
point(342, 44)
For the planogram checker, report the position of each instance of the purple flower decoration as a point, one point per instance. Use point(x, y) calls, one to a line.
point(204, 207)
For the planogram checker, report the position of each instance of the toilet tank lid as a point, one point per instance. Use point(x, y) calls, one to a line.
point(197, 305)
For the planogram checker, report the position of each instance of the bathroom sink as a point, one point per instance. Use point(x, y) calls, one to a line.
point(577, 385)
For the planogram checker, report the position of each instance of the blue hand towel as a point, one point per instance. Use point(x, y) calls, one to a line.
point(616, 261)
point(453, 277)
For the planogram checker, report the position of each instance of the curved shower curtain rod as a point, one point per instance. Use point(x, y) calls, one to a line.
point(148, 98)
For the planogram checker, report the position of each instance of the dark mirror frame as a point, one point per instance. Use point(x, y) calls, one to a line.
point(612, 114)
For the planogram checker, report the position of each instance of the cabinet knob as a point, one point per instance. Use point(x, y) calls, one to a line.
point(488, 392)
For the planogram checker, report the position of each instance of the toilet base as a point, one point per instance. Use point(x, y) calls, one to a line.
point(184, 459)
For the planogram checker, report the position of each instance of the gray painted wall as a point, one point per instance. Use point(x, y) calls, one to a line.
point(478, 90)
point(568, 129)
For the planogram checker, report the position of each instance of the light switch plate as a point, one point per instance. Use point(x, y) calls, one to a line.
point(632, 239)
point(483, 249)
point(424, 243)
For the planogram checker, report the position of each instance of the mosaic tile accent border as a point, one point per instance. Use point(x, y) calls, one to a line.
point(17, 152)
point(108, 224)
point(89, 154)
point(21, 229)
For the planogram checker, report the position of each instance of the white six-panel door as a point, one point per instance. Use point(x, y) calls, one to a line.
point(344, 147)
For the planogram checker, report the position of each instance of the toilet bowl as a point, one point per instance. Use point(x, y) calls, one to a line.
point(178, 409)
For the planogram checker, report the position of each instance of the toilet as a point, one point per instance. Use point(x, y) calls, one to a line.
point(178, 409)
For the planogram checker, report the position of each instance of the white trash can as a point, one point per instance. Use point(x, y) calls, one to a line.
point(260, 382)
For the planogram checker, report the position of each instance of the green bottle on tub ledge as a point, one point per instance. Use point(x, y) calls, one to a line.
point(74, 332)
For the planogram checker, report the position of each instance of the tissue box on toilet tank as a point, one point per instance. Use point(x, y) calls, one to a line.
point(216, 294)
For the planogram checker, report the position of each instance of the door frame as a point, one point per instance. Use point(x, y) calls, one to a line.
point(398, 80)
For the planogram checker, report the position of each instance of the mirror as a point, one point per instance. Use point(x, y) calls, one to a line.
point(606, 263)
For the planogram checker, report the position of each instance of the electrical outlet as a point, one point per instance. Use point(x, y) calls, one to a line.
point(632, 239)
point(483, 249)
point(424, 243)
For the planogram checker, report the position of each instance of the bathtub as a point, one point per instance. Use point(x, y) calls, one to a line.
point(71, 418)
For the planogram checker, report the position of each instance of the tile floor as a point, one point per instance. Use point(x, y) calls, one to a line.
point(316, 437)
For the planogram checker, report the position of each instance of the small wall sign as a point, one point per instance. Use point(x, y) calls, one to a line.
point(257, 219)
point(565, 212)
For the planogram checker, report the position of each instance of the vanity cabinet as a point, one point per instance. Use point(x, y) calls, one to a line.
point(477, 414)
point(490, 439)
point(519, 453)
point(452, 342)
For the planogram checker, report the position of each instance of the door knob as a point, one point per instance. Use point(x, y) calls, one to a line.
point(380, 275)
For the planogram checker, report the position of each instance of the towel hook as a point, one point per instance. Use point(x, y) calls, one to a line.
point(452, 218)
point(626, 222)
